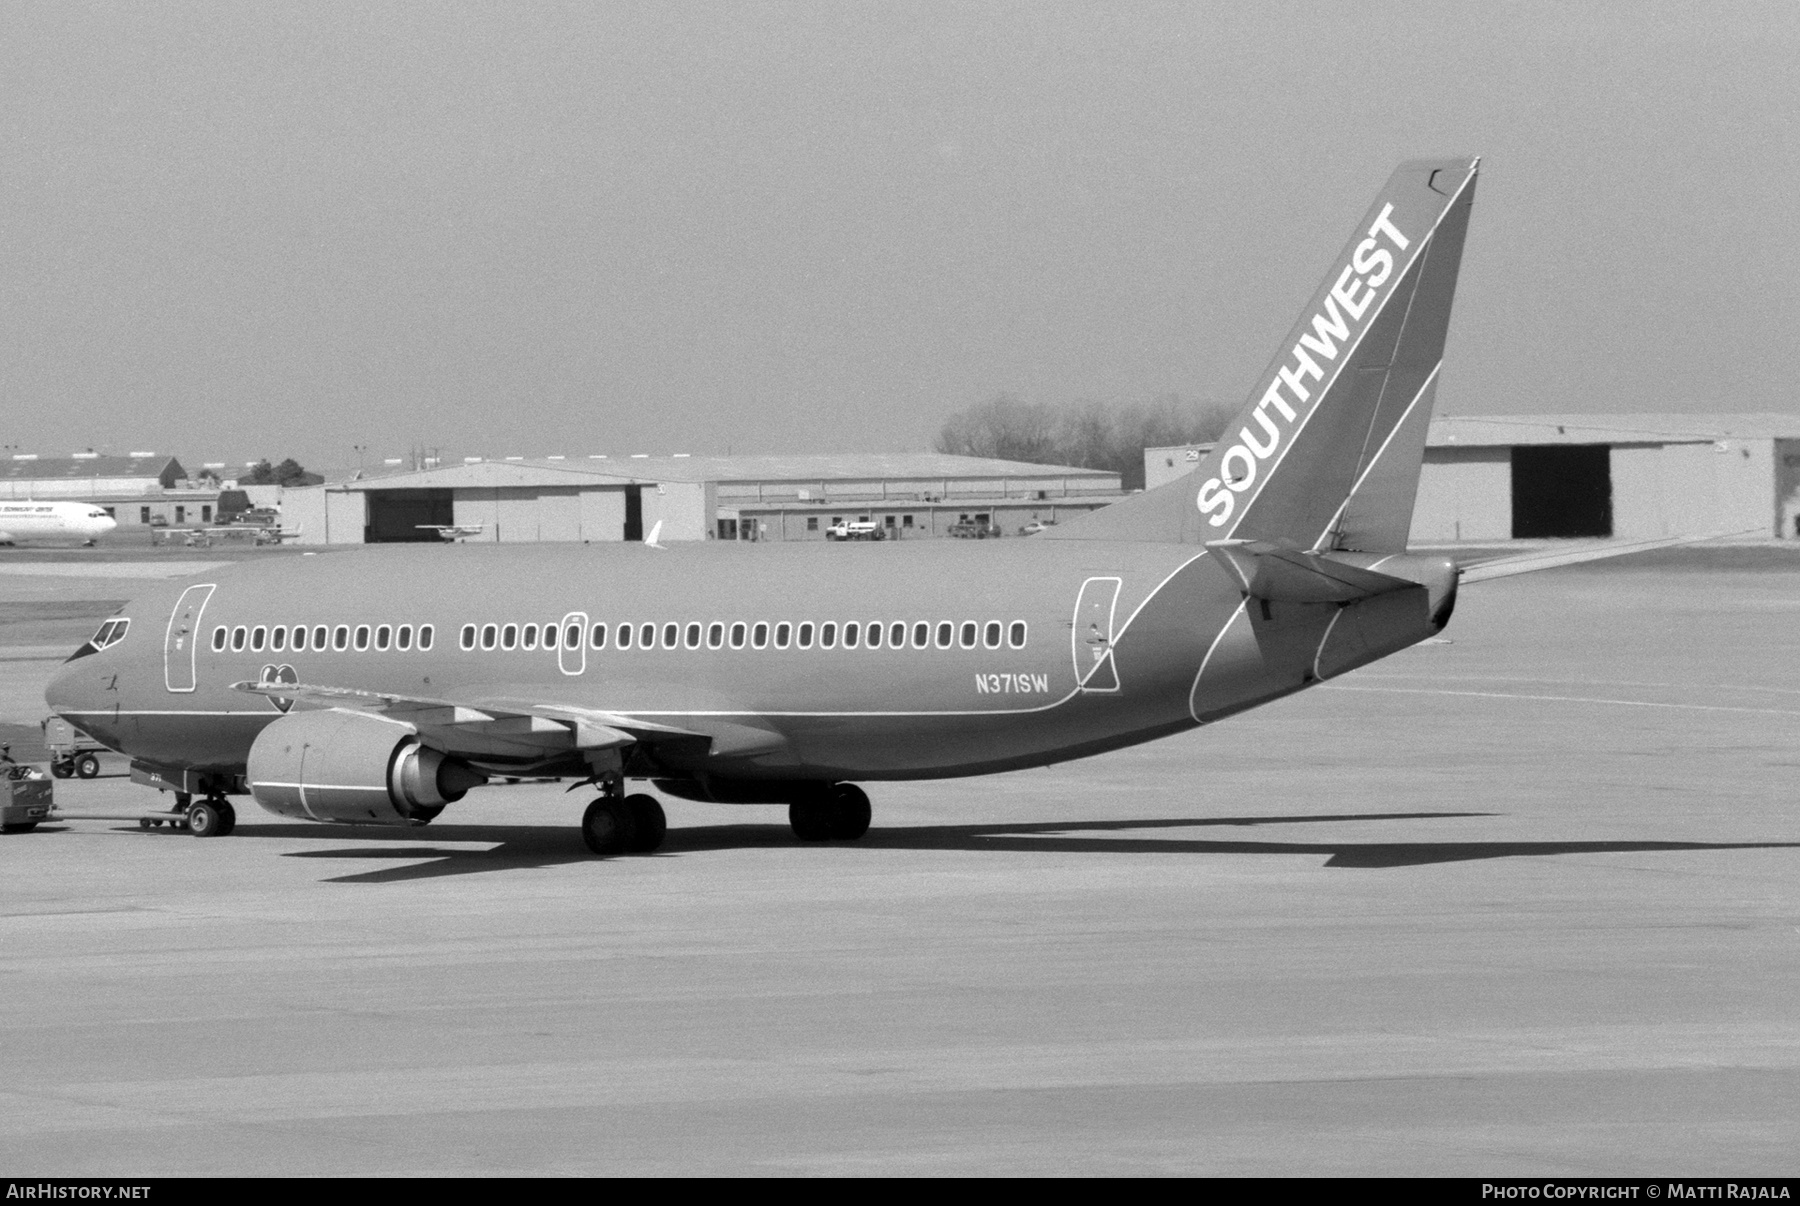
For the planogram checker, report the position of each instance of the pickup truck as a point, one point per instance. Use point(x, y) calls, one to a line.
point(856, 529)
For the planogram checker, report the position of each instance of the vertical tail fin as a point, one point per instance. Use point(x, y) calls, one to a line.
point(1326, 453)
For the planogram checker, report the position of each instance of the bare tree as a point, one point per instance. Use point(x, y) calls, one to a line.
point(1087, 434)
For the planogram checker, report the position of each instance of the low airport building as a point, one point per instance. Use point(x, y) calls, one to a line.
point(139, 489)
point(1639, 476)
point(907, 495)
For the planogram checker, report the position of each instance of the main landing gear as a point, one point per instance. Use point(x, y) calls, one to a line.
point(841, 814)
point(616, 824)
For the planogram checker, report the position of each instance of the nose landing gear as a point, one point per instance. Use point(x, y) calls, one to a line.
point(211, 817)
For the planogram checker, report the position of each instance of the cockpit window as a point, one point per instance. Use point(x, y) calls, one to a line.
point(111, 633)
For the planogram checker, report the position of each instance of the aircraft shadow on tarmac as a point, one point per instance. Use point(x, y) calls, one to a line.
point(526, 848)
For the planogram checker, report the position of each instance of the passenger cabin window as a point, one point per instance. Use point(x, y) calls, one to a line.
point(1016, 637)
point(528, 638)
point(547, 636)
point(490, 635)
point(990, 636)
point(259, 636)
point(671, 636)
point(597, 638)
point(851, 632)
point(278, 639)
point(239, 635)
point(805, 636)
point(646, 636)
point(827, 636)
point(759, 635)
point(897, 634)
point(784, 633)
point(468, 636)
point(968, 634)
point(715, 635)
point(946, 634)
point(737, 635)
point(340, 637)
point(921, 635)
point(509, 636)
point(572, 637)
point(362, 637)
point(384, 636)
point(403, 637)
point(298, 638)
point(220, 635)
point(426, 633)
point(692, 637)
point(318, 638)
point(873, 636)
point(624, 640)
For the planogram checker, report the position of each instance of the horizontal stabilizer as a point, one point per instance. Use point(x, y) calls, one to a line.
point(1281, 575)
point(1527, 563)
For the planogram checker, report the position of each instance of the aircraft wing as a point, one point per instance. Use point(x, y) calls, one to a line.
point(478, 726)
point(1543, 559)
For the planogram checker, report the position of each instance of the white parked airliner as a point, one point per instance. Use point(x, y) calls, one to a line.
point(31, 519)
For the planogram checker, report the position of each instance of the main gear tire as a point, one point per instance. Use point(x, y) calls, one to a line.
point(811, 819)
point(608, 827)
point(203, 819)
point(850, 813)
point(649, 822)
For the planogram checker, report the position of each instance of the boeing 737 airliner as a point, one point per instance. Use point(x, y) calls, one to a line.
point(377, 686)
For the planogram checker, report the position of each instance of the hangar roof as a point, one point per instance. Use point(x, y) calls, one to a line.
point(1474, 431)
point(895, 466)
point(165, 469)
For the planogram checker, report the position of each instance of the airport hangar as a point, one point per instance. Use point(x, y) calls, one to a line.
point(140, 489)
point(910, 495)
point(1637, 476)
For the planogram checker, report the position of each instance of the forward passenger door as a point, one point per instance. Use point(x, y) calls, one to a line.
point(181, 641)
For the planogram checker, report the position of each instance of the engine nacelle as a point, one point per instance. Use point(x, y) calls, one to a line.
point(353, 768)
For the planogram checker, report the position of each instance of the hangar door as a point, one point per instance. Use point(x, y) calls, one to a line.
point(1561, 490)
point(395, 515)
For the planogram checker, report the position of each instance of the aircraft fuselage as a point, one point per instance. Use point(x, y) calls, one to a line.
point(1008, 654)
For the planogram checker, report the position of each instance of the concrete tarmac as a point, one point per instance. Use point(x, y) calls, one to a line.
point(1522, 903)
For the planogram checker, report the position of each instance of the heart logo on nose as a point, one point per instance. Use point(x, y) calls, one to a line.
point(279, 674)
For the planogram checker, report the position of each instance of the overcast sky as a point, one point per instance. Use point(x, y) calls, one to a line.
point(235, 230)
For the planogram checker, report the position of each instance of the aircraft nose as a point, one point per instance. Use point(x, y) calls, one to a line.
point(71, 687)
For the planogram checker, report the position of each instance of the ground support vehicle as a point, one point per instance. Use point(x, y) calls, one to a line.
point(856, 529)
point(25, 796)
point(72, 752)
point(974, 531)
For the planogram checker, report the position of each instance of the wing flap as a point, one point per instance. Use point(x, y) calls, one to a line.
point(484, 725)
